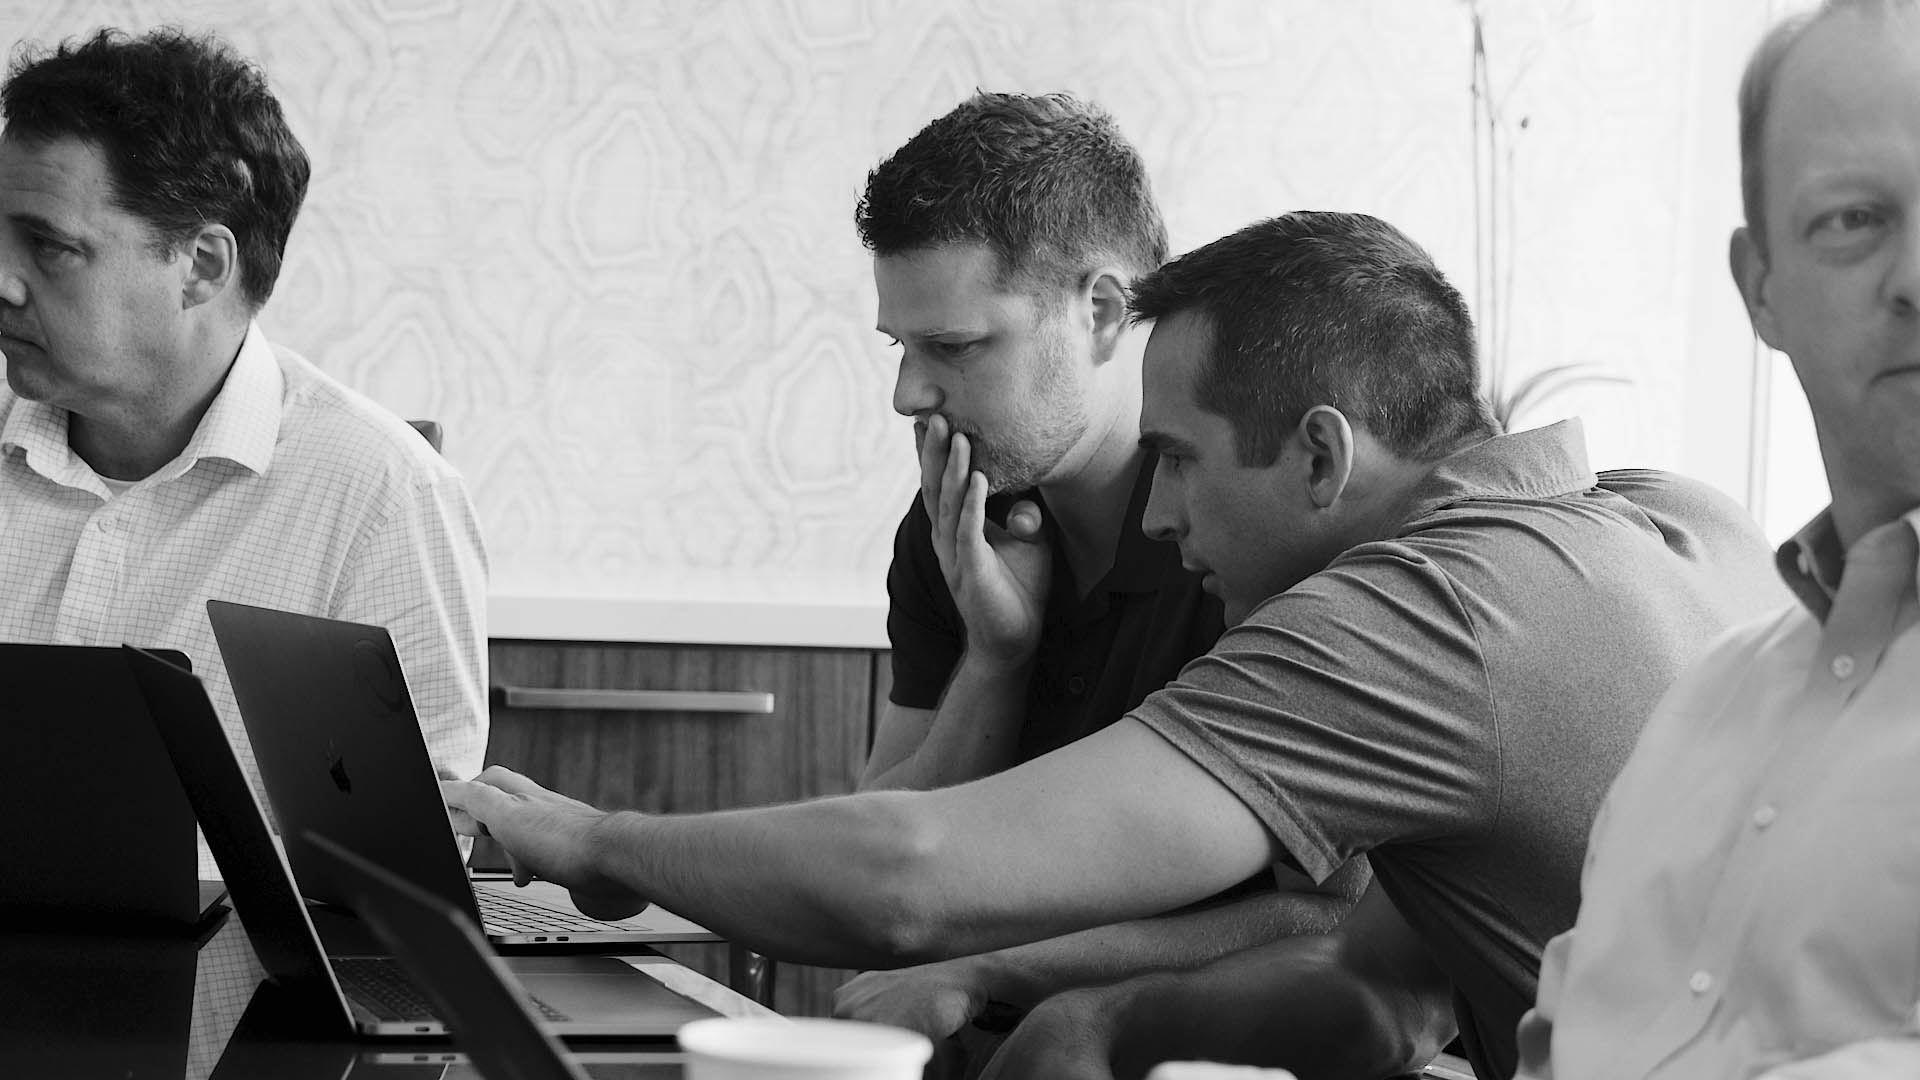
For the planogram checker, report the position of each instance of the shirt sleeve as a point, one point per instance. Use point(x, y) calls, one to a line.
point(420, 570)
point(923, 624)
point(1351, 712)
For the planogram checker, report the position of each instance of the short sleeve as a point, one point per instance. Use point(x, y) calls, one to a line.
point(923, 625)
point(1349, 713)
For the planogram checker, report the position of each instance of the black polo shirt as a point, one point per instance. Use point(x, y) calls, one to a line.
point(1098, 657)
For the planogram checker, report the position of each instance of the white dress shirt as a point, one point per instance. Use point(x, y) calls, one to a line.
point(295, 493)
point(1751, 897)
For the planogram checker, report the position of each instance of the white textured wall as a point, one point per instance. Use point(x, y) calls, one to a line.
point(608, 243)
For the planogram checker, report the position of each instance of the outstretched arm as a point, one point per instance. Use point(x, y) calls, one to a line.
point(1365, 1000)
point(1116, 826)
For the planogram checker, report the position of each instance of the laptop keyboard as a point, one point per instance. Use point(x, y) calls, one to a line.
point(379, 985)
point(382, 988)
point(502, 914)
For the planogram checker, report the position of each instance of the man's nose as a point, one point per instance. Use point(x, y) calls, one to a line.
point(915, 394)
point(1159, 520)
point(1903, 278)
point(13, 287)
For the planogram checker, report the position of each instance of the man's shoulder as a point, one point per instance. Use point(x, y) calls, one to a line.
point(329, 426)
point(1629, 508)
point(1681, 496)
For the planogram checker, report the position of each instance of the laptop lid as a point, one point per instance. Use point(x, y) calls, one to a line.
point(257, 876)
point(594, 996)
point(111, 842)
point(445, 956)
point(339, 748)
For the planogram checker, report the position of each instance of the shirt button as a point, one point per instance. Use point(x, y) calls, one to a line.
point(1700, 983)
point(1764, 816)
point(105, 525)
point(1843, 667)
point(1077, 685)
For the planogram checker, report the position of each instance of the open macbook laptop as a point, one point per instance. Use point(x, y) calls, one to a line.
point(443, 952)
point(340, 751)
point(368, 992)
point(100, 835)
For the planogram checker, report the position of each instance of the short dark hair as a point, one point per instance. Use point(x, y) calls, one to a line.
point(1756, 96)
point(189, 131)
point(1046, 182)
point(1327, 309)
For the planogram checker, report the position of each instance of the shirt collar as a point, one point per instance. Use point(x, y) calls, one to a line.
point(1812, 560)
point(40, 432)
point(1141, 563)
point(242, 425)
point(1542, 463)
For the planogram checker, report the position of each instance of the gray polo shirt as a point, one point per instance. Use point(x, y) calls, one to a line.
point(1453, 701)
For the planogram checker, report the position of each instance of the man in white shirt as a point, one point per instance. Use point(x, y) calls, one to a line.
point(156, 451)
point(1751, 900)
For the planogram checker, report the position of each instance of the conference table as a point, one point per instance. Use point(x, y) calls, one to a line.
point(132, 1007)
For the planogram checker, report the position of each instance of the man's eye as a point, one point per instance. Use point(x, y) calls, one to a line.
point(953, 350)
point(1847, 223)
point(49, 248)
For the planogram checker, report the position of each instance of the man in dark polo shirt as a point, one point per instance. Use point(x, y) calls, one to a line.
point(1004, 236)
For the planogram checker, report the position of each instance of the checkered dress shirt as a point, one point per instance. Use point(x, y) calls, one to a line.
point(295, 493)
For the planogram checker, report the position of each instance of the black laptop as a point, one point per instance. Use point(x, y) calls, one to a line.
point(99, 836)
point(334, 732)
point(492, 1019)
point(587, 996)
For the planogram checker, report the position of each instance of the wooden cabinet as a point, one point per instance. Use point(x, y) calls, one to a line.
point(675, 759)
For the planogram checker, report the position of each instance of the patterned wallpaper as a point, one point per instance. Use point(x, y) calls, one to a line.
point(608, 243)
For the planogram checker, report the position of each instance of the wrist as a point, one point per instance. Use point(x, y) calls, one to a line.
point(1012, 662)
point(595, 843)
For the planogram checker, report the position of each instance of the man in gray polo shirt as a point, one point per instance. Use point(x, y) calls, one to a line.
point(1443, 643)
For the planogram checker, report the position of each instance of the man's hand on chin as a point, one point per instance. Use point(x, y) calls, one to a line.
point(546, 835)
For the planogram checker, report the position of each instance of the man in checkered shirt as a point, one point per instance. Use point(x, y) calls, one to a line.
point(156, 451)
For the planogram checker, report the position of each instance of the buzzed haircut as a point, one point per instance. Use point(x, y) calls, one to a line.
point(1046, 182)
point(1332, 309)
point(190, 133)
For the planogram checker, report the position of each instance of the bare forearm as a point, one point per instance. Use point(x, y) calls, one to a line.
point(839, 865)
point(873, 881)
point(975, 731)
point(1027, 974)
point(1292, 1004)
point(889, 878)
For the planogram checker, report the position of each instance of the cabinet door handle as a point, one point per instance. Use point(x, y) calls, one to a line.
point(705, 701)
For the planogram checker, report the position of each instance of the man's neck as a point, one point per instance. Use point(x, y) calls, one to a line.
point(1385, 500)
point(133, 440)
point(1858, 512)
point(1089, 508)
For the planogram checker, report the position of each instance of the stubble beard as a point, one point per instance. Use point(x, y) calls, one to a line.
point(1041, 437)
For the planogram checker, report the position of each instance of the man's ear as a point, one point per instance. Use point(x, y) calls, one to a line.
point(1106, 291)
point(1749, 268)
point(213, 265)
point(1326, 441)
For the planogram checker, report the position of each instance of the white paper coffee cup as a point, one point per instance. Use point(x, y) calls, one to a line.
point(732, 1048)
